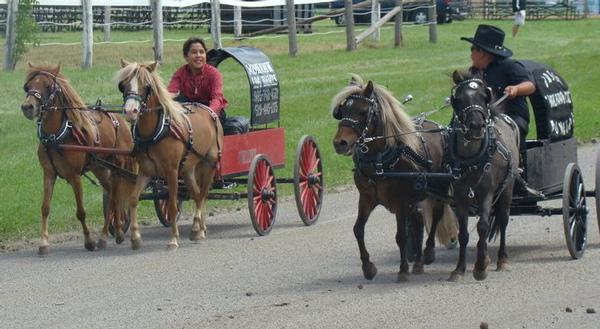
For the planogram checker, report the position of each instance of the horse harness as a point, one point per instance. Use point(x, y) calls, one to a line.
point(67, 129)
point(164, 128)
point(481, 162)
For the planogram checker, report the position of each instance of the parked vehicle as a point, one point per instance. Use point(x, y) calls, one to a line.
point(413, 11)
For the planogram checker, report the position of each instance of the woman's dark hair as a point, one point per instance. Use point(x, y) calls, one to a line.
point(188, 44)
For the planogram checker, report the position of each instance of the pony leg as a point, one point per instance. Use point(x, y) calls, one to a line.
point(134, 199)
point(463, 240)
point(173, 186)
point(364, 210)
point(401, 242)
point(502, 216)
point(201, 185)
point(417, 241)
point(104, 178)
point(49, 180)
point(75, 182)
point(483, 226)
point(437, 212)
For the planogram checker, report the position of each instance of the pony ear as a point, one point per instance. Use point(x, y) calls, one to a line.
point(124, 63)
point(152, 67)
point(368, 92)
point(29, 64)
point(457, 76)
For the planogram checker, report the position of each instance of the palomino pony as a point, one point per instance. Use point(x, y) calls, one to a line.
point(381, 137)
point(170, 142)
point(484, 155)
point(63, 119)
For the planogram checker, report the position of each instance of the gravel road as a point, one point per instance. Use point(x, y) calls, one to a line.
point(303, 277)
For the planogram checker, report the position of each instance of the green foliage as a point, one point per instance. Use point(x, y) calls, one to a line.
point(27, 30)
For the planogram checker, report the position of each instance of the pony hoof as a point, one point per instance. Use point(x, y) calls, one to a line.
point(43, 250)
point(480, 275)
point(197, 235)
point(101, 244)
point(455, 277)
point(503, 266)
point(172, 246)
point(402, 277)
point(418, 269)
point(429, 256)
point(90, 245)
point(136, 244)
point(120, 238)
point(369, 271)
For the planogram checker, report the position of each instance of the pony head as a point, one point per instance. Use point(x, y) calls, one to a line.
point(470, 100)
point(136, 83)
point(41, 87)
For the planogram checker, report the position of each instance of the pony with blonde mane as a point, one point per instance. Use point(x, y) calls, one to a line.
point(376, 131)
point(64, 119)
point(170, 142)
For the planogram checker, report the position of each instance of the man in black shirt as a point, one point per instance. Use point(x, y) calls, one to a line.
point(505, 76)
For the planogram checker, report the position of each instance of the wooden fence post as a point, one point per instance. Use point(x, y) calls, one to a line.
point(88, 34)
point(350, 41)
point(398, 26)
point(215, 23)
point(291, 22)
point(11, 34)
point(237, 21)
point(107, 23)
point(157, 27)
point(375, 13)
point(432, 22)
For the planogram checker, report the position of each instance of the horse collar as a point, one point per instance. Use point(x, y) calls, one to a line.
point(459, 165)
point(160, 131)
point(57, 138)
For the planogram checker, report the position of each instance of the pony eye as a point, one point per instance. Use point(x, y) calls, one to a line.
point(121, 86)
point(26, 88)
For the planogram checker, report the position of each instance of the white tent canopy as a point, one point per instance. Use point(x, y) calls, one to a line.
point(170, 3)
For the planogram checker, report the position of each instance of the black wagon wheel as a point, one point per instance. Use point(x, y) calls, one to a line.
point(262, 195)
point(161, 206)
point(111, 226)
point(574, 211)
point(308, 180)
point(597, 190)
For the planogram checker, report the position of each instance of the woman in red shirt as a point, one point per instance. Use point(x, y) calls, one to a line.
point(198, 81)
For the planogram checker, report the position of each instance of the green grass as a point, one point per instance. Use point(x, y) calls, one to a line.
point(308, 83)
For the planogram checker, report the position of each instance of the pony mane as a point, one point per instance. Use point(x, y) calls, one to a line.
point(68, 97)
point(141, 72)
point(395, 120)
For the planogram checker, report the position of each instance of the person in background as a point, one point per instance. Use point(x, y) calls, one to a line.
point(197, 81)
point(518, 7)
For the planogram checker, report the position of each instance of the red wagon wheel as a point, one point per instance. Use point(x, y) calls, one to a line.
point(262, 195)
point(308, 180)
point(160, 206)
point(111, 226)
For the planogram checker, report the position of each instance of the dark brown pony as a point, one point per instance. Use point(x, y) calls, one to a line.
point(63, 118)
point(484, 155)
point(170, 142)
point(381, 137)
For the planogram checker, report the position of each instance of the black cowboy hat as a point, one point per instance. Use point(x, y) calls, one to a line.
point(490, 39)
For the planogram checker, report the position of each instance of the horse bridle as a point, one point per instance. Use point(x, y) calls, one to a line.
point(45, 102)
point(136, 97)
point(360, 128)
point(463, 113)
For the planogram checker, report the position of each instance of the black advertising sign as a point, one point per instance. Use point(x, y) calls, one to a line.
point(552, 102)
point(264, 85)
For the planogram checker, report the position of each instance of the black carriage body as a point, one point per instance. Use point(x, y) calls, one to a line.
point(264, 84)
point(555, 147)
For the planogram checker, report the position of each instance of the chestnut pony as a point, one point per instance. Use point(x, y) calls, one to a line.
point(170, 142)
point(63, 118)
point(374, 128)
point(484, 154)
